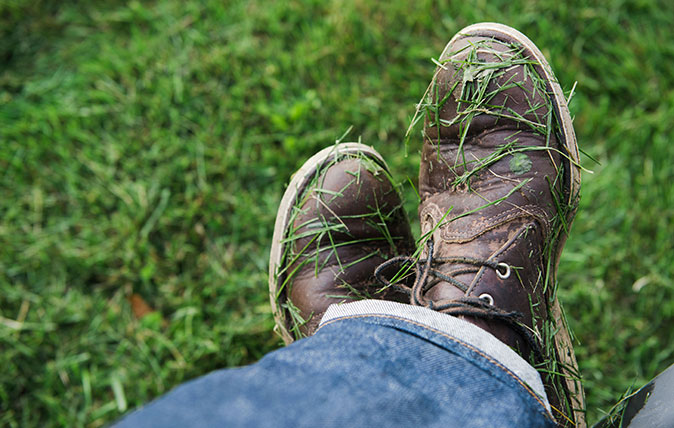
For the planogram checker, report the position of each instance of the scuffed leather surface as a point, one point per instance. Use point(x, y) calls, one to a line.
point(513, 230)
point(361, 191)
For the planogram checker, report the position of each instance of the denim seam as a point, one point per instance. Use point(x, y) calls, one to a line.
point(487, 357)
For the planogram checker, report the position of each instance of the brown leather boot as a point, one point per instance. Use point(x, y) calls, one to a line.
point(499, 184)
point(340, 217)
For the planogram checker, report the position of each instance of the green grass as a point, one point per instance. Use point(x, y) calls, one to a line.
point(144, 148)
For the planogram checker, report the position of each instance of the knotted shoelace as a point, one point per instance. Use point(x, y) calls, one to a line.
point(426, 276)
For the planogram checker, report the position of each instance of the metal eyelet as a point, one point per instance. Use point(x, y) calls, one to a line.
point(487, 298)
point(502, 274)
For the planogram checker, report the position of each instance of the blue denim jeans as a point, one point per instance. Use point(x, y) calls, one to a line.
point(371, 363)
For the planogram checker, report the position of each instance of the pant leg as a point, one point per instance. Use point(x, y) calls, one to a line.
point(362, 369)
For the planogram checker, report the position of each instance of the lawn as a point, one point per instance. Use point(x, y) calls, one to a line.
point(144, 147)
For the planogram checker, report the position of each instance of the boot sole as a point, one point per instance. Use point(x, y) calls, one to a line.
point(300, 180)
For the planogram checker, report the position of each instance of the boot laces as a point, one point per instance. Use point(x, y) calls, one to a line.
point(426, 276)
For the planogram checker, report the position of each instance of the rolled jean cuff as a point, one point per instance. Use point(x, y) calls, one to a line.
point(417, 319)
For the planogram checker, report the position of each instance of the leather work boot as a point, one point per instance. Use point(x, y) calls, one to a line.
point(499, 185)
point(340, 217)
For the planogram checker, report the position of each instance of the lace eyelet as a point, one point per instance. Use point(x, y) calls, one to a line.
point(506, 267)
point(487, 298)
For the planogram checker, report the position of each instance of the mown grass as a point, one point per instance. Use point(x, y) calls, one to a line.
point(144, 148)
